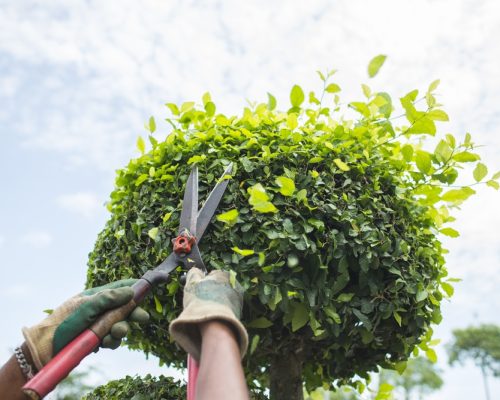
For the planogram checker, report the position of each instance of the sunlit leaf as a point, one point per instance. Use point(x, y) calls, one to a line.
point(230, 217)
point(286, 185)
point(296, 96)
point(342, 165)
point(243, 252)
point(141, 146)
point(375, 65)
point(480, 172)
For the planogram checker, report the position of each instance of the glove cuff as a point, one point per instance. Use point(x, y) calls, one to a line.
point(185, 329)
point(30, 341)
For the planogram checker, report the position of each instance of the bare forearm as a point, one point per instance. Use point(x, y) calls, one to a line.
point(12, 380)
point(221, 374)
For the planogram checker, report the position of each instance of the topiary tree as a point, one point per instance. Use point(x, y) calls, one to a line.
point(480, 344)
point(330, 221)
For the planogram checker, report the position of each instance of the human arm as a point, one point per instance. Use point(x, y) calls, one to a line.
point(12, 378)
point(221, 374)
point(209, 329)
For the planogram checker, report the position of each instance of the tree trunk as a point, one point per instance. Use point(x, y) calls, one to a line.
point(286, 377)
point(486, 390)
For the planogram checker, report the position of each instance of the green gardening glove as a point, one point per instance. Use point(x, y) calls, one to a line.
point(207, 298)
point(78, 313)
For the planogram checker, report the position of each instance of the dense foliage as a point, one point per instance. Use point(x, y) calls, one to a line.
point(330, 221)
point(148, 388)
point(140, 388)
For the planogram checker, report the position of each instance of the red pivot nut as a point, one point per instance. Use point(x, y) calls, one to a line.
point(183, 243)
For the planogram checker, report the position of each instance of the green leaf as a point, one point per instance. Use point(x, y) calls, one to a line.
point(332, 88)
point(438, 115)
point(360, 107)
point(302, 195)
point(422, 295)
point(397, 317)
point(187, 106)
point(400, 366)
point(423, 160)
point(318, 224)
point(332, 314)
point(153, 233)
point(167, 216)
point(496, 176)
point(407, 102)
point(158, 306)
point(443, 151)
point(494, 184)
point(254, 343)
point(450, 232)
point(243, 252)
point(423, 125)
point(173, 108)
point(433, 86)
point(206, 98)
point(466, 156)
point(287, 185)
point(232, 279)
point(342, 165)
point(480, 172)
point(366, 90)
point(458, 196)
point(141, 146)
point(375, 65)
point(431, 355)
point(296, 96)
point(210, 108)
point(384, 391)
point(292, 121)
point(197, 159)
point(260, 323)
point(259, 199)
point(230, 217)
point(300, 316)
point(141, 178)
point(345, 297)
point(271, 102)
point(151, 125)
point(449, 290)
point(407, 151)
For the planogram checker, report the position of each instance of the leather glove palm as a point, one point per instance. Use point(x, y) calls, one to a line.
point(206, 298)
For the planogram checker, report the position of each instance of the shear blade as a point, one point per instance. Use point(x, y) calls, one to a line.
point(189, 212)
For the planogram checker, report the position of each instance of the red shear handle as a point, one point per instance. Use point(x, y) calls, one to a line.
point(193, 369)
point(61, 365)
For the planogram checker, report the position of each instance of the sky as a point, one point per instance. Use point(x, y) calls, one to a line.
point(78, 80)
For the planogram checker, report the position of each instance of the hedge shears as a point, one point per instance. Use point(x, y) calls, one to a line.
point(193, 224)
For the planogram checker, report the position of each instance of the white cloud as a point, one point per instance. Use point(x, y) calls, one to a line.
point(2, 240)
point(109, 65)
point(37, 239)
point(82, 203)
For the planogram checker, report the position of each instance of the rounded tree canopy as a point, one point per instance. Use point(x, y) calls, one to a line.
point(330, 221)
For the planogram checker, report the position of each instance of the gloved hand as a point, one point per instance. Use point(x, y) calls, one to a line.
point(206, 298)
point(78, 313)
